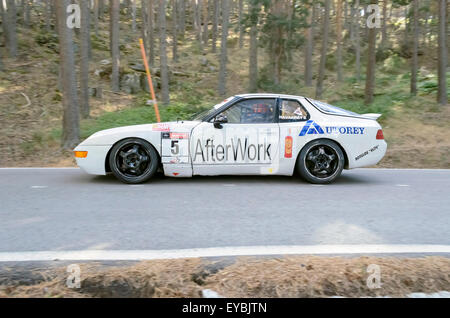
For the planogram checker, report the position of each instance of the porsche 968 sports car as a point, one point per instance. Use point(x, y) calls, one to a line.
point(251, 134)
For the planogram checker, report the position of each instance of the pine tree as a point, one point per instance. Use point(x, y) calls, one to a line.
point(371, 59)
point(442, 54)
point(84, 59)
point(414, 59)
point(162, 52)
point(114, 39)
point(323, 52)
point(70, 135)
point(223, 49)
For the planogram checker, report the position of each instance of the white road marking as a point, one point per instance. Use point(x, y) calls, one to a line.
point(402, 185)
point(88, 255)
point(38, 187)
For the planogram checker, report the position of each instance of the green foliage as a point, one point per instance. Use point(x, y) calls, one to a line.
point(428, 86)
point(99, 43)
point(139, 114)
point(266, 83)
point(331, 62)
point(47, 39)
point(382, 104)
point(394, 64)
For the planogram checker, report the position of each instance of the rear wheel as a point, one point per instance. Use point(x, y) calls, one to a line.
point(133, 160)
point(321, 161)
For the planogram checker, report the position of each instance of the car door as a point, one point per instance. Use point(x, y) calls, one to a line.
point(292, 116)
point(246, 142)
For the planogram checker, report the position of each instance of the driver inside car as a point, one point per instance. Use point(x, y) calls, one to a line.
point(257, 113)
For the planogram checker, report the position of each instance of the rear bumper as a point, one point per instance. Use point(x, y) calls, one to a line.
point(95, 161)
point(369, 157)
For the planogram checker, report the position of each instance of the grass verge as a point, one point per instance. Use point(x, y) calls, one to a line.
point(294, 276)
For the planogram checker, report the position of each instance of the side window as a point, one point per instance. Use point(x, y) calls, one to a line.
point(252, 111)
point(292, 111)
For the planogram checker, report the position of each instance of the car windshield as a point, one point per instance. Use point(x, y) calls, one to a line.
point(331, 109)
point(205, 113)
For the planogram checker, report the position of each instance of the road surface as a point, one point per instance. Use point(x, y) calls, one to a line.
point(67, 210)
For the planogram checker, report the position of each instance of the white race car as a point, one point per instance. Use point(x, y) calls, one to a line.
point(251, 134)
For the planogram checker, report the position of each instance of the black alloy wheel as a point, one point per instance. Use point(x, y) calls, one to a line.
point(133, 160)
point(321, 161)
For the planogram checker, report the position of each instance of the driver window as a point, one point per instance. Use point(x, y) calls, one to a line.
point(252, 111)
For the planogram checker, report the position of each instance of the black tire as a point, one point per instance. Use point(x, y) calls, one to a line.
point(133, 160)
point(321, 161)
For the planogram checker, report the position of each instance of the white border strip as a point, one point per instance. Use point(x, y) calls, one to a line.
point(89, 255)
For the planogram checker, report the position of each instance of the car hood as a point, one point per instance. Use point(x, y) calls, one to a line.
point(111, 136)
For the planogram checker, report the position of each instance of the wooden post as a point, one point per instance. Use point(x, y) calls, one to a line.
point(149, 78)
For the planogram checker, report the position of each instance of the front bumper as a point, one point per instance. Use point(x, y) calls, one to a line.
point(95, 162)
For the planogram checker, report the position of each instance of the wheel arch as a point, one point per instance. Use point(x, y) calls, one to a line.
point(107, 166)
point(329, 139)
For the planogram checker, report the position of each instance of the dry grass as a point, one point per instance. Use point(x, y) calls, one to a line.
point(301, 276)
point(418, 139)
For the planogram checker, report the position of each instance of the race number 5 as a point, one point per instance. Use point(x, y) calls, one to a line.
point(175, 147)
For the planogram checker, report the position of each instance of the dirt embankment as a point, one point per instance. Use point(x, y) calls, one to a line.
point(302, 276)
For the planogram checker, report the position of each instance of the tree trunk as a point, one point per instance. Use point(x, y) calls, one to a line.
point(253, 61)
point(174, 30)
point(323, 53)
point(277, 48)
point(144, 28)
point(310, 45)
point(84, 59)
point(405, 38)
point(288, 46)
point(133, 15)
point(4, 15)
point(163, 53)
point(223, 49)
point(114, 38)
point(27, 13)
point(12, 32)
point(371, 59)
point(357, 42)
point(414, 58)
point(151, 31)
point(205, 20)
point(198, 22)
point(384, 37)
point(339, 39)
point(70, 135)
point(241, 27)
point(215, 25)
point(182, 17)
point(48, 15)
point(101, 8)
point(95, 22)
point(442, 54)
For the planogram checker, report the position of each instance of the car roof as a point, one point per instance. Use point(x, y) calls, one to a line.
point(267, 95)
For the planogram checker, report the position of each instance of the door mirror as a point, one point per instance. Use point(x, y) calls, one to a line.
point(219, 120)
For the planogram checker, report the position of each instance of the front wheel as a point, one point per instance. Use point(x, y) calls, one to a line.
point(133, 160)
point(321, 162)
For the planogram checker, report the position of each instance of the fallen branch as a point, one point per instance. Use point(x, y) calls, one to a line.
point(28, 100)
point(117, 93)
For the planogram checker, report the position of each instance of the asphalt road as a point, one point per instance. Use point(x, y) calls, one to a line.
point(65, 209)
